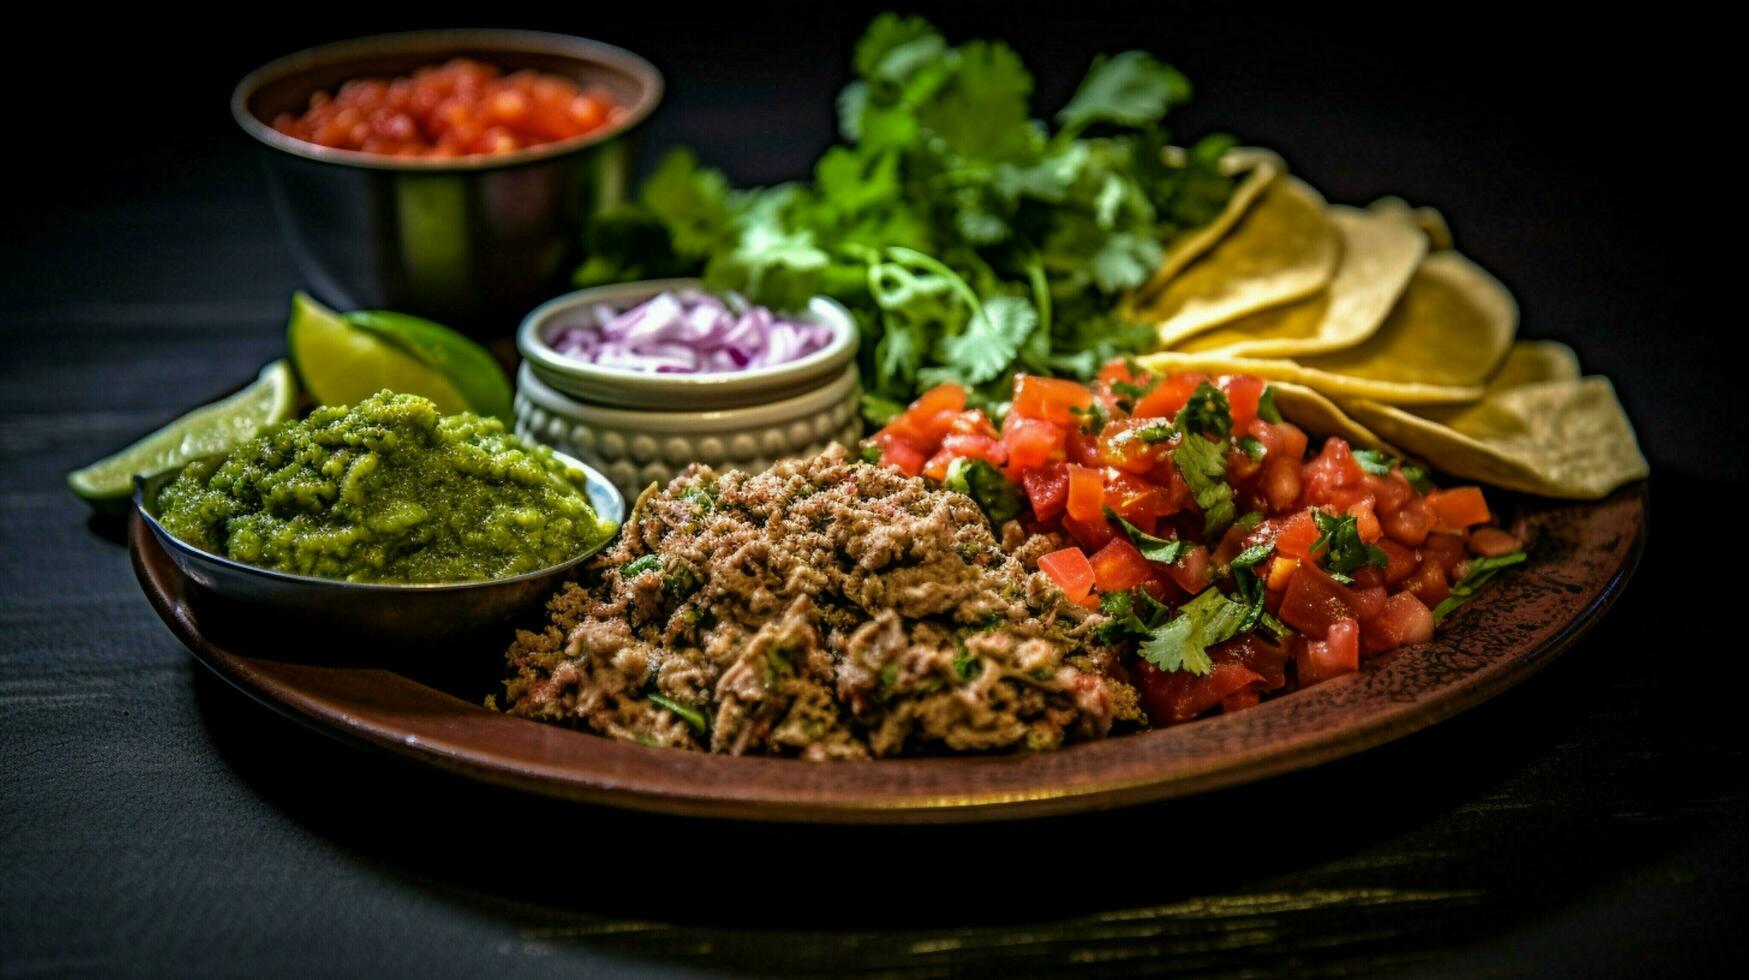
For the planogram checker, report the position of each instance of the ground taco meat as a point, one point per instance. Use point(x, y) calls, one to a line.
point(827, 608)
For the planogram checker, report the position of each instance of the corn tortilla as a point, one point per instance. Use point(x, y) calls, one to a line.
point(1380, 253)
point(1256, 169)
point(1283, 249)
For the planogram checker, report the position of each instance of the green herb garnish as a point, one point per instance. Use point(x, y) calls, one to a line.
point(687, 713)
point(640, 565)
point(1339, 540)
point(1164, 550)
point(1206, 413)
point(1203, 464)
point(1205, 621)
point(1266, 409)
point(1477, 573)
point(1000, 500)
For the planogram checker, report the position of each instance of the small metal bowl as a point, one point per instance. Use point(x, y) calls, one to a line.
point(399, 615)
point(474, 241)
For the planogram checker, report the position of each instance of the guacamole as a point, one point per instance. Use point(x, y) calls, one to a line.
point(387, 490)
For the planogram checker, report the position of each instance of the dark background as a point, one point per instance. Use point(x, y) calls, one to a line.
point(1593, 820)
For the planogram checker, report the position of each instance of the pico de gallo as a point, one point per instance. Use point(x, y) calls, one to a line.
point(1234, 563)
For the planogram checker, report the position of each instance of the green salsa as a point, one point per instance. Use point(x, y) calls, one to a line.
point(387, 490)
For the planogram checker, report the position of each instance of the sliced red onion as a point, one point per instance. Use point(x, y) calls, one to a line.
point(689, 331)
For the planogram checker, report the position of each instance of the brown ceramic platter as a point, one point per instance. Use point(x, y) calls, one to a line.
point(1581, 556)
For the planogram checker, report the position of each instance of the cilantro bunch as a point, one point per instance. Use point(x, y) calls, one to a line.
point(969, 240)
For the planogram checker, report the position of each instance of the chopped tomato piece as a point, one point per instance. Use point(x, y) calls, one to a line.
point(1429, 582)
point(1050, 399)
point(1136, 499)
point(1366, 522)
point(1314, 601)
point(1297, 535)
point(1244, 697)
point(1403, 620)
point(1293, 440)
point(1168, 396)
point(1031, 442)
point(1071, 570)
point(1119, 567)
point(975, 445)
point(1459, 507)
point(1243, 393)
point(896, 451)
point(1368, 600)
point(1257, 654)
point(1446, 549)
point(1279, 482)
point(1410, 523)
point(1093, 535)
point(1400, 561)
point(1491, 542)
point(1336, 654)
point(1086, 493)
point(936, 468)
point(1081, 448)
point(1122, 447)
point(1281, 571)
point(1176, 696)
point(1332, 469)
point(1192, 571)
point(1047, 487)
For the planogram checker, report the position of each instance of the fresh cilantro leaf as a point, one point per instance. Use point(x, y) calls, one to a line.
point(1257, 614)
point(1339, 540)
point(1249, 521)
point(1252, 555)
point(991, 338)
point(692, 201)
point(1124, 261)
point(999, 499)
point(1203, 464)
point(1253, 449)
point(687, 713)
point(1164, 550)
point(1417, 477)
point(1182, 644)
point(981, 112)
point(1479, 571)
point(1266, 409)
point(1093, 418)
point(1375, 462)
point(1158, 432)
point(1206, 413)
point(894, 46)
point(1130, 89)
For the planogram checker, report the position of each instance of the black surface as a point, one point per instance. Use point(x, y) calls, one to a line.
point(1594, 820)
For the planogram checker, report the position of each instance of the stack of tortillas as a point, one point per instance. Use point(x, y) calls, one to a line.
point(1368, 325)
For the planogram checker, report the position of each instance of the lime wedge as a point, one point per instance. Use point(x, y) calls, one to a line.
point(206, 431)
point(468, 366)
point(342, 362)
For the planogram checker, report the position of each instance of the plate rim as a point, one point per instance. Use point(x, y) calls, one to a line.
point(604, 787)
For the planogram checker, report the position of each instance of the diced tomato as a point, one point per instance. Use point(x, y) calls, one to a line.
point(1191, 572)
point(1368, 576)
point(1293, 440)
point(1093, 535)
point(1244, 697)
point(1178, 696)
point(936, 468)
point(1071, 570)
point(1404, 619)
point(941, 398)
point(1296, 535)
point(1031, 442)
point(1389, 492)
point(1081, 448)
point(1459, 507)
point(1410, 523)
point(1119, 567)
point(1336, 654)
point(1257, 654)
point(1366, 523)
point(896, 451)
point(1243, 392)
point(1429, 582)
point(1168, 396)
point(1118, 369)
point(1400, 561)
point(1446, 549)
point(1281, 572)
point(1279, 483)
point(1050, 399)
point(1137, 499)
point(1314, 601)
point(1368, 601)
point(976, 445)
point(1330, 470)
point(1047, 487)
point(1491, 542)
point(1086, 493)
point(1119, 446)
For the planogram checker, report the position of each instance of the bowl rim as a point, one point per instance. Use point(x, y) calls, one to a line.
point(700, 420)
point(825, 311)
point(595, 483)
point(548, 42)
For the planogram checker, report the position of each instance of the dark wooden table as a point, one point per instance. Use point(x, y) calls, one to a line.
point(1594, 820)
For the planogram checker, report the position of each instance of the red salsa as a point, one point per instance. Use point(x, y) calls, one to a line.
point(1235, 560)
point(461, 108)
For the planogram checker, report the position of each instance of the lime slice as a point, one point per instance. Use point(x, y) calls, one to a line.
point(468, 366)
point(342, 362)
point(206, 431)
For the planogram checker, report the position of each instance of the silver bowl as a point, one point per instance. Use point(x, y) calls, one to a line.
point(472, 242)
point(400, 615)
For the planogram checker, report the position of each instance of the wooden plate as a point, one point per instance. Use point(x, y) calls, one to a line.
point(1581, 557)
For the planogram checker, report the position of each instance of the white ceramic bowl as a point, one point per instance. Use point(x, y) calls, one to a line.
point(637, 447)
point(623, 388)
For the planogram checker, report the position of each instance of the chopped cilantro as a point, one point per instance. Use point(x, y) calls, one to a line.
point(1417, 477)
point(1152, 548)
point(1128, 394)
point(638, 566)
point(1266, 409)
point(1478, 572)
point(1252, 555)
point(1182, 644)
point(999, 499)
point(1253, 449)
point(1158, 432)
point(870, 453)
point(1249, 521)
point(1206, 413)
point(1339, 540)
point(687, 713)
point(1375, 462)
point(1203, 464)
point(1093, 418)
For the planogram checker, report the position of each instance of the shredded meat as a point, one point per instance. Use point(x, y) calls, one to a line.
point(826, 608)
